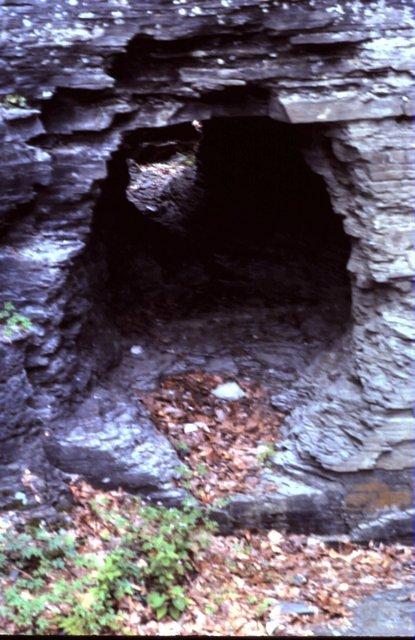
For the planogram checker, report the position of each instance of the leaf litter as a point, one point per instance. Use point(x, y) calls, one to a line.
point(241, 580)
point(224, 443)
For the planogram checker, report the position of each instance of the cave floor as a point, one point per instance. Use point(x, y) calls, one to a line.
point(250, 315)
point(245, 343)
point(254, 317)
point(173, 365)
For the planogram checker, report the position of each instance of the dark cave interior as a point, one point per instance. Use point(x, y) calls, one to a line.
point(259, 229)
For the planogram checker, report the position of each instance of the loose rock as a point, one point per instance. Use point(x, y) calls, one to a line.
point(137, 350)
point(229, 391)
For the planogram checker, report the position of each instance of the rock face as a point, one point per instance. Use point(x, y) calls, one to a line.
point(165, 191)
point(78, 78)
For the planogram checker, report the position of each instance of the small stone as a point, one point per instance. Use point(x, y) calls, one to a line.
point(298, 579)
point(136, 350)
point(275, 613)
point(229, 391)
point(190, 427)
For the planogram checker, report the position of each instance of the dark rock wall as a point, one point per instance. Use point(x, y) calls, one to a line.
point(86, 74)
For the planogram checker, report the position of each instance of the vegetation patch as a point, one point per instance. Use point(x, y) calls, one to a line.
point(126, 567)
point(13, 101)
point(79, 581)
point(12, 322)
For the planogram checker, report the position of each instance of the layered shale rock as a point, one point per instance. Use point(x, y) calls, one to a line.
point(77, 79)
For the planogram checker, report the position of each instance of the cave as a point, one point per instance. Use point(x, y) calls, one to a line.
point(225, 188)
point(212, 223)
point(214, 250)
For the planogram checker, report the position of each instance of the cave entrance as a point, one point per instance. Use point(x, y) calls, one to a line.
point(219, 260)
point(222, 249)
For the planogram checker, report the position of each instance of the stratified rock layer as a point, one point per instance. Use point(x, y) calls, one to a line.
point(86, 75)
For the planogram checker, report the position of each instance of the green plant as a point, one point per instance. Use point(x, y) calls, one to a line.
point(265, 454)
point(57, 586)
point(201, 469)
point(83, 605)
point(23, 609)
point(211, 609)
point(12, 100)
point(263, 607)
point(170, 539)
point(220, 503)
point(182, 447)
point(33, 555)
point(166, 540)
point(186, 475)
point(37, 550)
point(93, 599)
point(184, 471)
point(12, 321)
